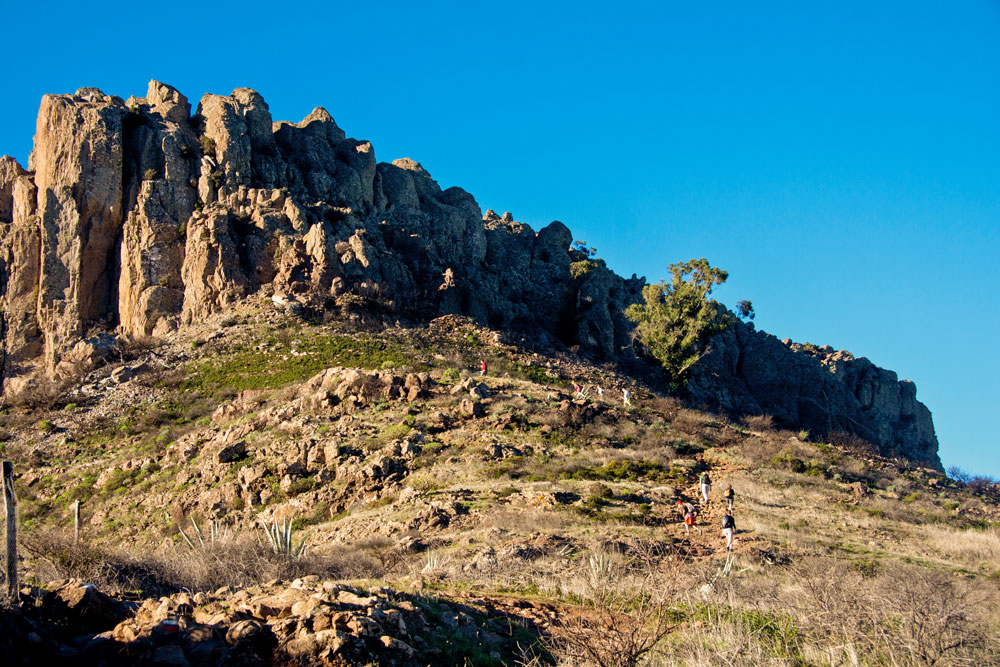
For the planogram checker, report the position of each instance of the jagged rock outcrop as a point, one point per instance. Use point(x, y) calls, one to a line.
point(149, 217)
point(819, 389)
point(138, 217)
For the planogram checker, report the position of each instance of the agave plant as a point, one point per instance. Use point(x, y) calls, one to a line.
point(601, 569)
point(280, 538)
point(215, 533)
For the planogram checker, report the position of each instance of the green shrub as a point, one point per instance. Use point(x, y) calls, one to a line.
point(300, 485)
point(675, 321)
point(395, 432)
point(582, 268)
point(620, 470)
point(207, 145)
point(536, 374)
point(789, 462)
point(602, 491)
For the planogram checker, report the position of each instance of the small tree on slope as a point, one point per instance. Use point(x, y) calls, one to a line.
point(677, 319)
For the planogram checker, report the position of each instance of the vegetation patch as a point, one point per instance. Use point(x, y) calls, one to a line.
point(276, 364)
point(623, 470)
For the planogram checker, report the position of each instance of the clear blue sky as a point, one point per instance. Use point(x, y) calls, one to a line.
point(840, 160)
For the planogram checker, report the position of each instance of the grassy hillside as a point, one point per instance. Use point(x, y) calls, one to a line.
point(404, 470)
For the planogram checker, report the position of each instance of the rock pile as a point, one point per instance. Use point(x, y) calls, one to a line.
point(306, 621)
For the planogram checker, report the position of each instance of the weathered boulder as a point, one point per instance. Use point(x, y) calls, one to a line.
point(84, 607)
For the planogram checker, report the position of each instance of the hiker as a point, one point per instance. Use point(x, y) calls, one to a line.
point(728, 529)
point(625, 397)
point(600, 391)
point(688, 510)
point(577, 389)
point(483, 371)
point(706, 485)
point(729, 495)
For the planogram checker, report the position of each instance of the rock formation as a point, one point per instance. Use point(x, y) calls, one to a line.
point(138, 217)
point(819, 389)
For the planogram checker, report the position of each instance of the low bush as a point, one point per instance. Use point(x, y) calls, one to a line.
point(759, 422)
point(622, 470)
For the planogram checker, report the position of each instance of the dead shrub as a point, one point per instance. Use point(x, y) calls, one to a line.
point(851, 443)
point(980, 484)
point(56, 556)
point(136, 346)
point(43, 394)
point(720, 436)
point(691, 422)
point(902, 615)
point(625, 616)
point(759, 422)
point(667, 406)
point(164, 378)
point(938, 618)
point(756, 451)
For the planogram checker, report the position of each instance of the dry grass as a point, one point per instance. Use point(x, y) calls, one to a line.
point(526, 520)
point(759, 422)
point(691, 422)
point(243, 560)
point(981, 546)
point(821, 612)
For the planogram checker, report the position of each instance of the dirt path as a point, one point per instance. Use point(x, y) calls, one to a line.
point(709, 543)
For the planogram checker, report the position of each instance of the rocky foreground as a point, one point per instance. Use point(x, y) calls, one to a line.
point(306, 621)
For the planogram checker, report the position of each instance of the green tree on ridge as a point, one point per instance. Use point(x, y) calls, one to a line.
point(677, 319)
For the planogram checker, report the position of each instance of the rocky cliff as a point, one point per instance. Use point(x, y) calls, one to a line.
point(817, 388)
point(138, 217)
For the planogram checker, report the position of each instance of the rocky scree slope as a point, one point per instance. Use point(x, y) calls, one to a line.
point(137, 217)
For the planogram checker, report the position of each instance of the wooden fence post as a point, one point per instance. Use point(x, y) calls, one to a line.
point(10, 504)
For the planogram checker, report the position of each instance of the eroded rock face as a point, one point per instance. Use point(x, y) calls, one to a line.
point(139, 216)
point(136, 217)
point(78, 162)
point(819, 389)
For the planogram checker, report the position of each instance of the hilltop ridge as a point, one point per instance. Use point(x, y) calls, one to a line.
point(136, 218)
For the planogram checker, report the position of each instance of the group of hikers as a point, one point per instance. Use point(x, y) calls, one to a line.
point(690, 512)
point(580, 392)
